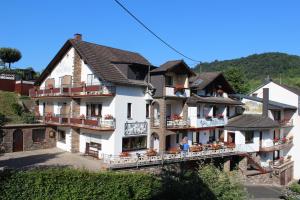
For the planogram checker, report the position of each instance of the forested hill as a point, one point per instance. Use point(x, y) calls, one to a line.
point(257, 67)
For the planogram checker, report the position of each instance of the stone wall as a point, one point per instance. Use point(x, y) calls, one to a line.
point(75, 140)
point(76, 68)
point(6, 144)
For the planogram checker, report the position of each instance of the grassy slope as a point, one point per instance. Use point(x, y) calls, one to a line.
point(6, 101)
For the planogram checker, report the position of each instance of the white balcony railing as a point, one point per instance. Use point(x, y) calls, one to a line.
point(174, 92)
point(207, 122)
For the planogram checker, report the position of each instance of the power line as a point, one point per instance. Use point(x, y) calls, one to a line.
point(154, 34)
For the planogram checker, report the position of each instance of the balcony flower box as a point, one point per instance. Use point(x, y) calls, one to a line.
point(124, 154)
point(283, 140)
point(208, 117)
point(76, 121)
point(179, 88)
point(151, 152)
point(174, 150)
point(196, 148)
point(91, 122)
point(276, 140)
point(108, 117)
point(176, 117)
point(92, 88)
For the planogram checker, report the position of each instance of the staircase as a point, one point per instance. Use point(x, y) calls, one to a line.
point(254, 161)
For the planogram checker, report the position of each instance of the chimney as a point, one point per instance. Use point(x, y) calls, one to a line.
point(265, 102)
point(78, 36)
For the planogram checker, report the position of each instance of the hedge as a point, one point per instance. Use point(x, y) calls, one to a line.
point(65, 183)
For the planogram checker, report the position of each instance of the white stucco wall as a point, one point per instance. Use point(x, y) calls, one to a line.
point(124, 95)
point(67, 145)
point(282, 95)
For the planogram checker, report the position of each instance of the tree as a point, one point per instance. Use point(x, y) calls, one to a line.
point(10, 55)
point(237, 79)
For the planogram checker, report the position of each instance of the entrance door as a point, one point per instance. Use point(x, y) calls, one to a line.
point(17, 140)
point(230, 137)
point(168, 142)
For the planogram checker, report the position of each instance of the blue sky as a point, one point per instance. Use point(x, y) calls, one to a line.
point(204, 30)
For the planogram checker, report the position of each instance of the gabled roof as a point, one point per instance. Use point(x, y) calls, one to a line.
point(294, 90)
point(171, 65)
point(251, 122)
point(273, 105)
point(205, 78)
point(101, 60)
point(194, 99)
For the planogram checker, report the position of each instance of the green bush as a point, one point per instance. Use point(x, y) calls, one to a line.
point(28, 118)
point(65, 183)
point(221, 184)
point(17, 109)
point(295, 187)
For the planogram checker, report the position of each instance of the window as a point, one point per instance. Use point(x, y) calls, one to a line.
point(147, 110)
point(38, 135)
point(169, 81)
point(249, 135)
point(93, 110)
point(196, 136)
point(62, 136)
point(129, 110)
point(134, 143)
point(277, 115)
point(1, 136)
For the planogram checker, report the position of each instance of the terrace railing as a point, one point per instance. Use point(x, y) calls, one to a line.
point(73, 91)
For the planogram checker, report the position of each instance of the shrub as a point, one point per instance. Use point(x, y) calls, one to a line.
point(28, 118)
point(65, 183)
point(17, 108)
point(221, 184)
point(295, 187)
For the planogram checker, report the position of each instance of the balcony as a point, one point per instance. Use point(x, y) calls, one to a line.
point(73, 91)
point(278, 145)
point(286, 123)
point(178, 124)
point(93, 123)
point(207, 122)
point(173, 91)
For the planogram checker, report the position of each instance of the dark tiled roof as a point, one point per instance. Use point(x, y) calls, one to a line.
point(292, 89)
point(101, 60)
point(169, 65)
point(272, 104)
point(251, 122)
point(212, 100)
point(202, 80)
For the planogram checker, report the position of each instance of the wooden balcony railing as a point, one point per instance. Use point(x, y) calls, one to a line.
point(277, 146)
point(73, 91)
point(89, 123)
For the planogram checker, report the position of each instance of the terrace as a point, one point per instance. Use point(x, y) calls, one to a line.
point(151, 157)
point(73, 91)
point(101, 124)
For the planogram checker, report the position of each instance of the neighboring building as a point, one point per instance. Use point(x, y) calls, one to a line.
point(286, 95)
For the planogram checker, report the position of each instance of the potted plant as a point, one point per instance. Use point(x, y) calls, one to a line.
point(108, 117)
point(283, 140)
point(151, 152)
point(276, 140)
point(124, 154)
point(179, 88)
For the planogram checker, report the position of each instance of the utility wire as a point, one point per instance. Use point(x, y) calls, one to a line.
point(154, 34)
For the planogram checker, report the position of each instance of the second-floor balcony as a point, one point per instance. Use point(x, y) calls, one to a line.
point(286, 122)
point(177, 91)
point(209, 121)
point(276, 145)
point(95, 123)
point(73, 91)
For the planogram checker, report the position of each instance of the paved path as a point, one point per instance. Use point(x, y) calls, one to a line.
point(48, 157)
point(264, 192)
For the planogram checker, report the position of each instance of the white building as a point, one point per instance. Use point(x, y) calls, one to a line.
point(286, 95)
point(96, 97)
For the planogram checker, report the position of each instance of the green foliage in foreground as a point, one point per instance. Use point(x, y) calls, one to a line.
point(64, 183)
point(73, 184)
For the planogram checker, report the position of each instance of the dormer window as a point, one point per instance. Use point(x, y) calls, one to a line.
point(169, 81)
